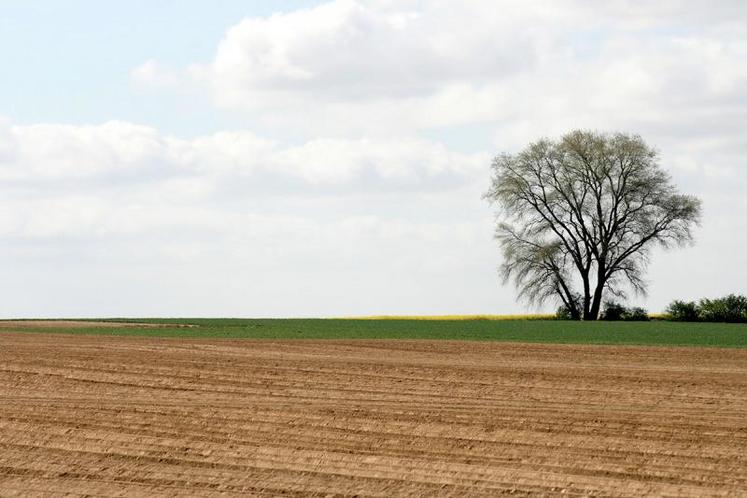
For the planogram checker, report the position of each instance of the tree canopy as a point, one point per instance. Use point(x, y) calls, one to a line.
point(579, 216)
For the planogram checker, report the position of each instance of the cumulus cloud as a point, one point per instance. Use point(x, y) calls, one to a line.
point(348, 66)
point(346, 50)
point(62, 175)
point(301, 226)
point(121, 150)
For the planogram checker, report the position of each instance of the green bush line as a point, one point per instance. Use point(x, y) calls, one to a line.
point(728, 309)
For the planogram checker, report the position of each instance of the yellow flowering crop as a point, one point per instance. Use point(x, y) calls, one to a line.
point(456, 317)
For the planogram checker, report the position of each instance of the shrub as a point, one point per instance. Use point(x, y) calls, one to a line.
point(563, 313)
point(636, 315)
point(613, 311)
point(683, 311)
point(732, 308)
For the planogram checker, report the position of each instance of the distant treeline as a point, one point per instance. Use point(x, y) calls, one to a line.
point(729, 309)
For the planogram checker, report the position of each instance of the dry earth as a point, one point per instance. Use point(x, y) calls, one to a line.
point(124, 416)
point(64, 324)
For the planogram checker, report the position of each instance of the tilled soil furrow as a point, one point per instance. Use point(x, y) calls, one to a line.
point(387, 441)
point(115, 416)
point(299, 462)
point(313, 434)
point(450, 452)
point(172, 472)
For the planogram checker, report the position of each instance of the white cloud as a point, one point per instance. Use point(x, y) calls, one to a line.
point(332, 57)
point(330, 226)
point(347, 66)
point(63, 178)
point(120, 151)
point(64, 151)
point(346, 50)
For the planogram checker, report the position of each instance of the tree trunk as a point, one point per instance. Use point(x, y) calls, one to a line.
point(587, 296)
point(568, 299)
point(596, 304)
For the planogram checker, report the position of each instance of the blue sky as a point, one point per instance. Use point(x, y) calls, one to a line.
point(69, 61)
point(183, 158)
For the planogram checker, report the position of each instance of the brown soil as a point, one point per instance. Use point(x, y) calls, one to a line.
point(77, 324)
point(114, 416)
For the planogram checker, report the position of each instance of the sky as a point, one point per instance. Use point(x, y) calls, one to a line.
point(291, 158)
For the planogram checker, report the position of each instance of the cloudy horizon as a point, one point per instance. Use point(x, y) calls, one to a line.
point(329, 158)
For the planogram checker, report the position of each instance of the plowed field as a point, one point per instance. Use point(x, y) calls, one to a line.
point(116, 416)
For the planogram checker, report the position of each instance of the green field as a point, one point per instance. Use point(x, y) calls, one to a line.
point(543, 331)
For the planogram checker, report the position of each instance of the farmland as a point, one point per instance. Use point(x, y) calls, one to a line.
point(94, 414)
point(534, 330)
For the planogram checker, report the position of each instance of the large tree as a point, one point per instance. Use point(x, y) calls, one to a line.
point(579, 216)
